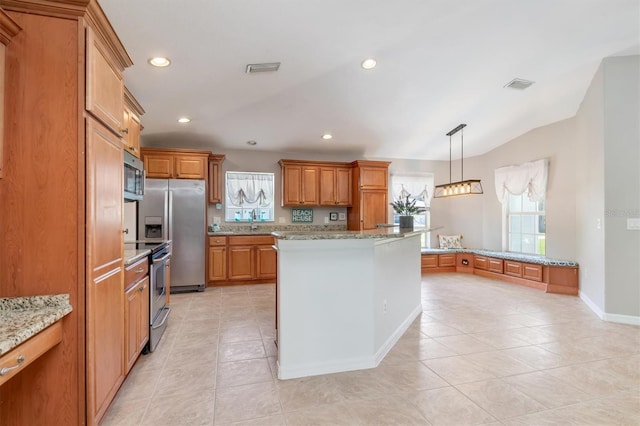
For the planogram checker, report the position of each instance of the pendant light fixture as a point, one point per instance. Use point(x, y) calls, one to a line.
point(463, 187)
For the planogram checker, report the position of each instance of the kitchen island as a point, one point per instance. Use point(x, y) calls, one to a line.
point(344, 298)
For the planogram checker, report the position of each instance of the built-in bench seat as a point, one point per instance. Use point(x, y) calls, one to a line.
point(543, 273)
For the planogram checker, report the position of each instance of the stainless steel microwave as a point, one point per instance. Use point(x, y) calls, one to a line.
point(133, 178)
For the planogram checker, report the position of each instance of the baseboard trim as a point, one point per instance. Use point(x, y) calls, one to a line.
point(595, 308)
point(396, 335)
point(622, 319)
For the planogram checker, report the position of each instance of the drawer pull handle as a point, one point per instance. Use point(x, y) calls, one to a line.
point(5, 370)
point(125, 131)
point(139, 270)
point(142, 288)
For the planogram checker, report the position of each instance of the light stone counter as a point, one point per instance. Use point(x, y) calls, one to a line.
point(131, 256)
point(23, 317)
point(379, 233)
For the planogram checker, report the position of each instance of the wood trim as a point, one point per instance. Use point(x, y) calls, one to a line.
point(132, 102)
point(510, 279)
point(8, 28)
point(314, 163)
point(174, 151)
point(369, 163)
point(98, 20)
point(57, 8)
point(228, 283)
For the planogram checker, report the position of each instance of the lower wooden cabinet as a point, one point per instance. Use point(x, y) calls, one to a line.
point(481, 262)
point(495, 265)
point(136, 320)
point(532, 271)
point(241, 258)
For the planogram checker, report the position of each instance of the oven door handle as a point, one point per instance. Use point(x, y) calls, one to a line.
point(162, 259)
point(166, 315)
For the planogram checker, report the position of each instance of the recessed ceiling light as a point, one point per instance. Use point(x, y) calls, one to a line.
point(518, 83)
point(252, 142)
point(184, 120)
point(160, 62)
point(369, 63)
point(265, 67)
point(327, 136)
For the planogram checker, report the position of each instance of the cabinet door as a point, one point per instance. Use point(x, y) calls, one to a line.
point(374, 177)
point(344, 187)
point(495, 265)
point(131, 326)
point(481, 262)
point(240, 262)
point(310, 190)
point(158, 166)
point(429, 261)
point(131, 132)
point(445, 260)
point(266, 262)
point(105, 87)
point(300, 185)
point(104, 287)
point(217, 263)
point(215, 181)
point(143, 323)
point(513, 268)
point(328, 196)
point(373, 209)
point(532, 271)
point(190, 167)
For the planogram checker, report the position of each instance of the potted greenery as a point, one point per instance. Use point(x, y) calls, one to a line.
point(406, 208)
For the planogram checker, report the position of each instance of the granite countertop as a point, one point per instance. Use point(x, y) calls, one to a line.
point(518, 257)
point(133, 255)
point(24, 317)
point(379, 233)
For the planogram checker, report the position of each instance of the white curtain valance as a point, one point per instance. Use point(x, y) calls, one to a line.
point(250, 188)
point(418, 186)
point(528, 177)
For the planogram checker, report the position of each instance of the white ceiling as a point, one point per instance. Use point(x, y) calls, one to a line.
point(440, 63)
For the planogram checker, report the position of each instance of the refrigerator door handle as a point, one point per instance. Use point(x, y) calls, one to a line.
point(165, 231)
point(170, 215)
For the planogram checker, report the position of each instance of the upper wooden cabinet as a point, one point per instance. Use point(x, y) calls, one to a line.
point(300, 183)
point(131, 123)
point(335, 186)
point(105, 86)
point(316, 183)
point(370, 195)
point(216, 193)
point(175, 163)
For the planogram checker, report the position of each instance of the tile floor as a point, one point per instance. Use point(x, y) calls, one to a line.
point(482, 352)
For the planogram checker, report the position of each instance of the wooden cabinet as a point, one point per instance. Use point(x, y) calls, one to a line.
point(481, 262)
point(300, 184)
point(429, 261)
point(216, 194)
point(131, 123)
point(513, 268)
point(370, 195)
point(217, 264)
point(241, 259)
point(335, 186)
point(136, 311)
point(104, 84)
point(175, 163)
point(532, 271)
point(445, 260)
point(104, 293)
point(495, 265)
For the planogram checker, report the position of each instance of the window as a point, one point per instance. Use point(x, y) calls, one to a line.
point(249, 197)
point(420, 187)
point(526, 225)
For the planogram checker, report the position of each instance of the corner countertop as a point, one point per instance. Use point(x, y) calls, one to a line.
point(518, 257)
point(133, 255)
point(23, 317)
point(379, 233)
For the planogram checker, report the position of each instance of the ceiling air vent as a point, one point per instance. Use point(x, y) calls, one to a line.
point(268, 67)
point(519, 83)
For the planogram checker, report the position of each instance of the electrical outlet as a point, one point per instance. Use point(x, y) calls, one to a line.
point(326, 219)
point(216, 220)
point(384, 306)
point(281, 220)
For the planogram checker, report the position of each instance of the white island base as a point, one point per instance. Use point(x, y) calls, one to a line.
point(343, 303)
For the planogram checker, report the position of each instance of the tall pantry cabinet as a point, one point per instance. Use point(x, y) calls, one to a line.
point(370, 195)
point(61, 198)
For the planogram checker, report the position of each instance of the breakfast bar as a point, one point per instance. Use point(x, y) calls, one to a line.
point(344, 298)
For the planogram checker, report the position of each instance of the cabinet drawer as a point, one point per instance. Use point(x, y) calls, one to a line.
point(217, 241)
point(429, 261)
point(532, 271)
point(135, 272)
point(446, 260)
point(495, 265)
point(513, 268)
point(481, 262)
point(251, 240)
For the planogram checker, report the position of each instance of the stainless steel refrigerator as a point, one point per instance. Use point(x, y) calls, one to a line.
point(175, 209)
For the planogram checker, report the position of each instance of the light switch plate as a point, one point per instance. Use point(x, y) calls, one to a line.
point(633, 223)
point(342, 216)
point(281, 220)
point(216, 220)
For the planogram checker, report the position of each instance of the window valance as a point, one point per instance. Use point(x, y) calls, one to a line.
point(250, 188)
point(419, 186)
point(529, 177)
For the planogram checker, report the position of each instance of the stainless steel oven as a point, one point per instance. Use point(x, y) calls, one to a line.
point(158, 309)
point(133, 178)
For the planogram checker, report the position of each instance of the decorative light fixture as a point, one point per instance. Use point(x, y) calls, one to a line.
point(368, 63)
point(463, 187)
point(160, 62)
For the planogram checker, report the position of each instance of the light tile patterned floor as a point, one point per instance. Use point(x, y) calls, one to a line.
point(482, 352)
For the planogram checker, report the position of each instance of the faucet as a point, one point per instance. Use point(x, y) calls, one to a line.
point(252, 217)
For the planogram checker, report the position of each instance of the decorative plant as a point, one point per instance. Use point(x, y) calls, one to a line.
point(406, 207)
